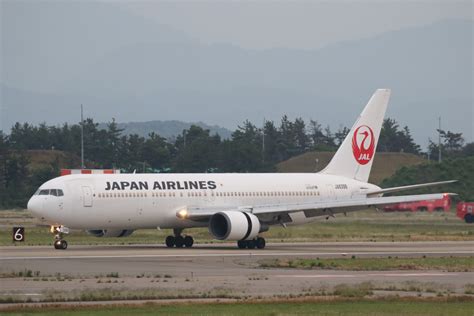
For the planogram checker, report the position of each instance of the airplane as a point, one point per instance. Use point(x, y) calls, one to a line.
point(234, 207)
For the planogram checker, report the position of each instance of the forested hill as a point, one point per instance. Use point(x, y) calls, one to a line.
point(385, 164)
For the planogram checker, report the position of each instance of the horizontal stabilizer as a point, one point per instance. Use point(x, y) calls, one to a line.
point(408, 187)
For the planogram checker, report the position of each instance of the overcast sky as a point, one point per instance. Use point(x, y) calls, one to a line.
point(271, 24)
point(107, 54)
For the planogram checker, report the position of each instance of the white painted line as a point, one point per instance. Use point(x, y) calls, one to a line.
point(323, 276)
point(21, 294)
point(240, 254)
point(414, 274)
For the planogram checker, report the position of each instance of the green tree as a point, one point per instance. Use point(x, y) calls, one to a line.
point(392, 139)
point(272, 136)
point(468, 150)
point(16, 175)
point(301, 138)
point(156, 151)
point(243, 153)
point(3, 168)
point(340, 135)
point(196, 150)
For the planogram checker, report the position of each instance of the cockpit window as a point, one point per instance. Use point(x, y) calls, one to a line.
point(53, 192)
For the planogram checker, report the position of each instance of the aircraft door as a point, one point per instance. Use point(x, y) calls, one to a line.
point(86, 196)
point(331, 192)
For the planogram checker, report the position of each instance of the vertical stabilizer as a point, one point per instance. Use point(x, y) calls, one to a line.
point(355, 156)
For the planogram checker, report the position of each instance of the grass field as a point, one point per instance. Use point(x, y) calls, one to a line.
point(451, 264)
point(358, 226)
point(430, 307)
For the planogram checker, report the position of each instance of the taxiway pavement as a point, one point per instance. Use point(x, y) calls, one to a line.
point(210, 266)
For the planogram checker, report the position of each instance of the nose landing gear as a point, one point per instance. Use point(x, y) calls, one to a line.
point(59, 232)
point(60, 244)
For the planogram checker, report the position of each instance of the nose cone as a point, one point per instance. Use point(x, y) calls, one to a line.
point(35, 206)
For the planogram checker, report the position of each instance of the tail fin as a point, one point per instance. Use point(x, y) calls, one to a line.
point(354, 157)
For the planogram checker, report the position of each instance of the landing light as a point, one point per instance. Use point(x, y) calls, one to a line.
point(183, 214)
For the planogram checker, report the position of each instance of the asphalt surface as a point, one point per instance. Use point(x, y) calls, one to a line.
point(219, 266)
point(133, 259)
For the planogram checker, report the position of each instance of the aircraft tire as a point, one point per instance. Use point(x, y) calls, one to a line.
point(260, 242)
point(170, 241)
point(179, 242)
point(188, 241)
point(242, 244)
point(60, 244)
point(251, 244)
point(57, 244)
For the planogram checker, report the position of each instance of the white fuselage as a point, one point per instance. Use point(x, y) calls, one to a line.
point(133, 201)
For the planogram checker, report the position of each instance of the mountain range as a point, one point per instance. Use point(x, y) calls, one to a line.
point(167, 129)
point(133, 69)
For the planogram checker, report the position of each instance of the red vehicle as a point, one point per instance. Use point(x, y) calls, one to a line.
point(443, 204)
point(465, 211)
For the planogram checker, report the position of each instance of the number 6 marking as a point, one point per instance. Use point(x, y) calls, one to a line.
point(18, 234)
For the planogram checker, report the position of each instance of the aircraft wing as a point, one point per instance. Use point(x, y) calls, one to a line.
point(280, 212)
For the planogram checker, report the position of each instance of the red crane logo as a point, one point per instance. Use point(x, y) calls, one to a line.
point(363, 144)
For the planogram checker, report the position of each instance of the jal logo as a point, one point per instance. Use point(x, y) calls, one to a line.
point(363, 144)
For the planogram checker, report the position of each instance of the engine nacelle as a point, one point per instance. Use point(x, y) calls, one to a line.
point(234, 225)
point(110, 232)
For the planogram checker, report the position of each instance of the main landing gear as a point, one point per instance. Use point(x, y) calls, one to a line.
point(179, 241)
point(258, 242)
point(59, 231)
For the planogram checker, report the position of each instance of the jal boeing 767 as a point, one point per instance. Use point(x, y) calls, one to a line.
point(236, 207)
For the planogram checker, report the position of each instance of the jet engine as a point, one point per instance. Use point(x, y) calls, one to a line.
point(234, 225)
point(110, 232)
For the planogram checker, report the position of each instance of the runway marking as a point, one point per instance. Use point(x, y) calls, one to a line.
point(323, 276)
point(21, 294)
point(251, 254)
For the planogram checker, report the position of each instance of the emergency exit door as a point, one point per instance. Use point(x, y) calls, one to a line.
point(87, 196)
